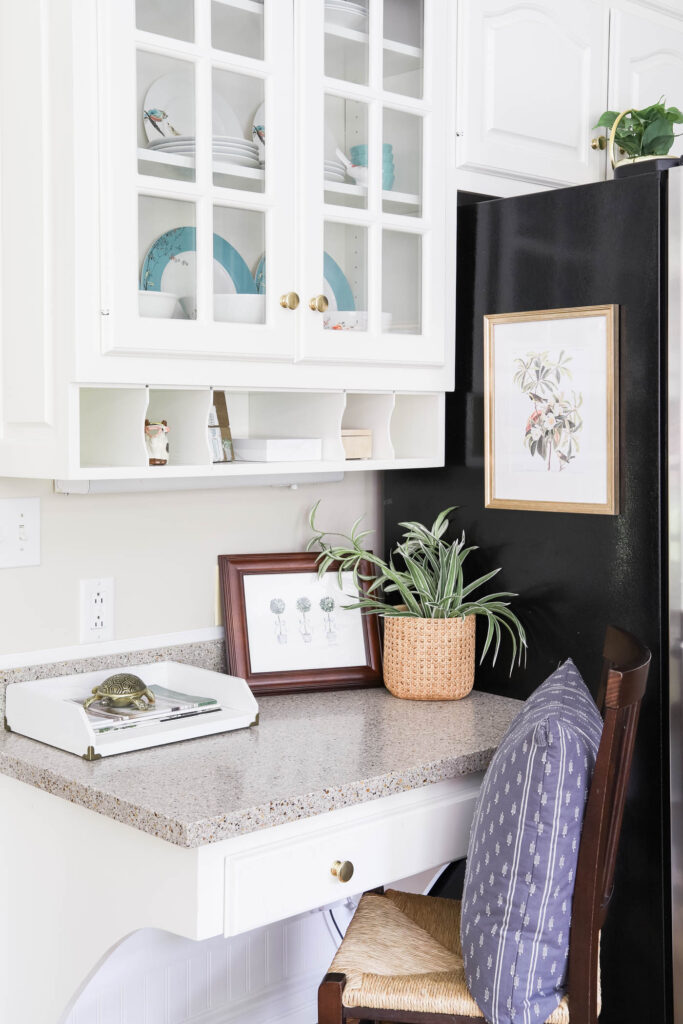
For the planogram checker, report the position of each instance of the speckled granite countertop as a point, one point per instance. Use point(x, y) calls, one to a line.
point(311, 753)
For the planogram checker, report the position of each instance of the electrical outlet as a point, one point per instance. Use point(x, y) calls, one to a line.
point(19, 532)
point(97, 610)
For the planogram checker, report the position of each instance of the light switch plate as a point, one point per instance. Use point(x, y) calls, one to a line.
point(19, 532)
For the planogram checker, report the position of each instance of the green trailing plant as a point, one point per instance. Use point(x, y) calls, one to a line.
point(647, 132)
point(425, 573)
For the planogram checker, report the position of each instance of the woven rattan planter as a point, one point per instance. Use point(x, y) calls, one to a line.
point(429, 659)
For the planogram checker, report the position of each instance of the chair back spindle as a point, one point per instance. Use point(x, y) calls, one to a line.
point(626, 664)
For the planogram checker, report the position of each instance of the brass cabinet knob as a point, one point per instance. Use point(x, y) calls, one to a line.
point(318, 303)
point(290, 300)
point(599, 143)
point(342, 869)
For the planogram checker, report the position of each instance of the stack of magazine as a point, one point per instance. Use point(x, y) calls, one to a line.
point(168, 706)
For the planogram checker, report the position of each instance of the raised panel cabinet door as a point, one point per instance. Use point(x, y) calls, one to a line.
point(532, 80)
point(376, 188)
point(646, 63)
point(196, 201)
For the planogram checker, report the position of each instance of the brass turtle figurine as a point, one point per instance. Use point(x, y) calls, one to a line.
point(121, 691)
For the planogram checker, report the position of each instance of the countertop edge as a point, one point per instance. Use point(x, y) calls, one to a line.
point(254, 819)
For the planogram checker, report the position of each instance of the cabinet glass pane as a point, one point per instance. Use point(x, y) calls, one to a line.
point(402, 282)
point(403, 49)
point(237, 31)
point(238, 148)
point(346, 40)
point(346, 152)
point(402, 163)
point(345, 277)
point(165, 116)
point(174, 18)
point(239, 284)
point(167, 257)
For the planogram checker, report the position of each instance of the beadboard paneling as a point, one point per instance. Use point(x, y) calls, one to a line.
point(267, 976)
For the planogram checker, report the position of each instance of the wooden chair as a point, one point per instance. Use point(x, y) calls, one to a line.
point(625, 668)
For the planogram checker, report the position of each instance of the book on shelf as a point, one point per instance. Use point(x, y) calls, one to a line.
point(168, 706)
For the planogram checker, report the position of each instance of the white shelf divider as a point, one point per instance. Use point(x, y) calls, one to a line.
point(372, 411)
point(299, 414)
point(187, 413)
point(112, 427)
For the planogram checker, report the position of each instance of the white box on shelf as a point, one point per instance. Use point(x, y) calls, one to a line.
point(48, 709)
point(277, 449)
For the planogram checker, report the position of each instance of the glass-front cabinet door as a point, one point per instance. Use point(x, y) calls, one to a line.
point(375, 152)
point(197, 153)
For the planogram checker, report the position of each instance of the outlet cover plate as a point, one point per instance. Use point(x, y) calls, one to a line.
point(97, 610)
point(19, 532)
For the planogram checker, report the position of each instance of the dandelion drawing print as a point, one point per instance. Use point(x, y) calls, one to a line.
point(277, 607)
point(303, 606)
point(555, 420)
point(327, 606)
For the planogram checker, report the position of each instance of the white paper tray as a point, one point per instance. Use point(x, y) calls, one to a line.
point(44, 709)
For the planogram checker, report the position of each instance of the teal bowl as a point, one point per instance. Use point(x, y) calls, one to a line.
point(359, 154)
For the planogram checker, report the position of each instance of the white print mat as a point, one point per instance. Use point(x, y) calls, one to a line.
point(297, 622)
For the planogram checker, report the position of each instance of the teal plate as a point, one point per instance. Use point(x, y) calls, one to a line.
point(333, 275)
point(177, 240)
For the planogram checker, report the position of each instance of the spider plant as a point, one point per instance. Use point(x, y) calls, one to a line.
point(425, 573)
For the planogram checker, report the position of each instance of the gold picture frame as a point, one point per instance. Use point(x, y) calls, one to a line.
point(539, 463)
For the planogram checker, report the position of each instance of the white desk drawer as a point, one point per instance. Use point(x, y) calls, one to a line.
point(386, 840)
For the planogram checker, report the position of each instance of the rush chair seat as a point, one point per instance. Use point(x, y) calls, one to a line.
point(401, 959)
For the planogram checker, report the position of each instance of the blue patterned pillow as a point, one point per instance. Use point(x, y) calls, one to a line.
point(523, 850)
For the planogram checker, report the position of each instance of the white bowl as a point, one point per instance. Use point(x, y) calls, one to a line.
point(159, 304)
point(352, 320)
point(234, 309)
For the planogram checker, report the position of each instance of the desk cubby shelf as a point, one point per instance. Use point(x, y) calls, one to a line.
point(407, 429)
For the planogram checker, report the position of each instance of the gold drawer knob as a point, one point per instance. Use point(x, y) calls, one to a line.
point(318, 303)
point(343, 870)
point(599, 143)
point(290, 300)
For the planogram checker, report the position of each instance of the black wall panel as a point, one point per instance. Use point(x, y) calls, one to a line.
point(576, 573)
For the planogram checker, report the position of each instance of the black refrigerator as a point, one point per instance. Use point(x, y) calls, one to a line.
point(604, 243)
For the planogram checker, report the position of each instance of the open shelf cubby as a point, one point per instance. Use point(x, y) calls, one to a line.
point(407, 429)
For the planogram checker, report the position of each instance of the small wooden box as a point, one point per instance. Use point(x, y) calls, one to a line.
point(357, 442)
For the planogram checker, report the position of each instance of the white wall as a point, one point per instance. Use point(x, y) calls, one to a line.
point(161, 550)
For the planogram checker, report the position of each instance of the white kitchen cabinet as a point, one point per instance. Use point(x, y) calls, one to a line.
point(646, 61)
point(532, 79)
point(153, 249)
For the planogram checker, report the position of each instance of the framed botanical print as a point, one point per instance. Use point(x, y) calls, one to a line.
point(551, 410)
point(287, 629)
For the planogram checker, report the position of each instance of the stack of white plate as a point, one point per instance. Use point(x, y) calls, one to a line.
point(348, 13)
point(334, 170)
point(227, 148)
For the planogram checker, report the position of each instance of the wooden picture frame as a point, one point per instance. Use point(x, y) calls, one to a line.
point(559, 454)
point(247, 581)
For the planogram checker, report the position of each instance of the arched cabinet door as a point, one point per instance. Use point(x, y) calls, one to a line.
point(532, 80)
point(646, 63)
